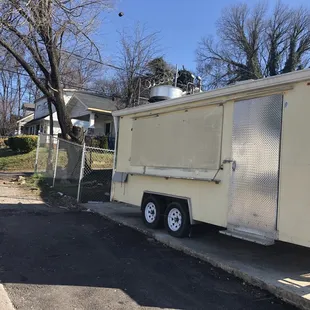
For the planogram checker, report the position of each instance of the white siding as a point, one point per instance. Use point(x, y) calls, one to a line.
point(41, 107)
point(47, 118)
point(67, 96)
point(56, 128)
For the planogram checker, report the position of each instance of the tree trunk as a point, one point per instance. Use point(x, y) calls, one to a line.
point(63, 117)
point(74, 152)
point(51, 139)
point(74, 155)
point(50, 111)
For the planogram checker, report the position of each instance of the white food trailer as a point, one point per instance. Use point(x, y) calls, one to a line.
point(236, 157)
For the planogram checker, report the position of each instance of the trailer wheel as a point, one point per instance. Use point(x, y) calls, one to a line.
point(151, 212)
point(177, 220)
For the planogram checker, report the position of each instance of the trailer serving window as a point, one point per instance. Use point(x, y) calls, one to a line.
point(187, 139)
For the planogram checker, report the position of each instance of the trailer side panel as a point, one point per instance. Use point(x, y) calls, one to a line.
point(209, 200)
point(294, 194)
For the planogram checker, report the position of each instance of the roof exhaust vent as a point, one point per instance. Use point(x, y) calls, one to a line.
point(164, 92)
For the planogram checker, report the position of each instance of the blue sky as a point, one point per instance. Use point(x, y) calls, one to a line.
point(181, 24)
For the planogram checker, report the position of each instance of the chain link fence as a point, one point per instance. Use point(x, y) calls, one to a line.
point(68, 168)
point(46, 156)
point(97, 175)
point(79, 171)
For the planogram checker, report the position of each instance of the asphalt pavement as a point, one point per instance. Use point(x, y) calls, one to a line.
point(52, 258)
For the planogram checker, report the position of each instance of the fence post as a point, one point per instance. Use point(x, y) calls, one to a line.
point(56, 162)
point(37, 155)
point(81, 172)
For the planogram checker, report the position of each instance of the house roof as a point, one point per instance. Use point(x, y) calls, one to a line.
point(94, 101)
point(35, 120)
point(29, 106)
point(25, 118)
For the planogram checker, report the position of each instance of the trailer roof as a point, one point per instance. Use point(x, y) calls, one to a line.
point(246, 86)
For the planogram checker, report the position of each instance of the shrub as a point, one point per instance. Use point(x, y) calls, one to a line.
point(94, 142)
point(23, 144)
point(103, 142)
point(100, 142)
point(12, 144)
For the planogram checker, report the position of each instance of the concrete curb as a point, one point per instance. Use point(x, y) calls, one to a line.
point(5, 301)
point(285, 295)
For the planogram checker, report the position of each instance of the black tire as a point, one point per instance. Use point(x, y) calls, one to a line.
point(179, 226)
point(149, 205)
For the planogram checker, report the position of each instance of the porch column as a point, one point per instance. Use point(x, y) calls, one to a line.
point(92, 120)
point(19, 129)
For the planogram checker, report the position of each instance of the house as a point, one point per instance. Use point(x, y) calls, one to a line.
point(87, 110)
point(28, 108)
point(27, 116)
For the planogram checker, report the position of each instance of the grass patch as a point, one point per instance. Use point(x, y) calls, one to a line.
point(43, 156)
point(99, 160)
point(36, 180)
point(50, 195)
point(12, 161)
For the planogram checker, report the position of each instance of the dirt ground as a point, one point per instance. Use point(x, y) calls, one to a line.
point(53, 258)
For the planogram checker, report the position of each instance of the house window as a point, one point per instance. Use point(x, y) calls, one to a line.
point(107, 130)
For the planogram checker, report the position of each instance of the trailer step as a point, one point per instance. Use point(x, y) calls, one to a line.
point(248, 236)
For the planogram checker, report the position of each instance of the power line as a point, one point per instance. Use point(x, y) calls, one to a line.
point(102, 63)
point(84, 58)
point(81, 57)
point(16, 72)
point(94, 60)
point(69, 84)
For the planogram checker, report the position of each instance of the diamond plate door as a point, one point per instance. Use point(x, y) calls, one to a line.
point(255, 149)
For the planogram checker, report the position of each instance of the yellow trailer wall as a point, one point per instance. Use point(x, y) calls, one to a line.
point(294, 191)
point(209, 200)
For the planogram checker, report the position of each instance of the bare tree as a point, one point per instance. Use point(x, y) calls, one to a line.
point(79, 73)
point(155, 72)
point(108, 86)
point(8, 102)
point(251, 44)
point(298, 40)
point(35, 33)
point(12, 91)
point(32, 92)
point(137, 49)
point(276, 38)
